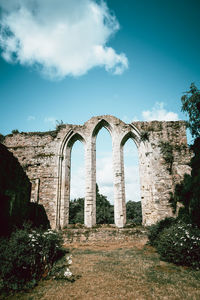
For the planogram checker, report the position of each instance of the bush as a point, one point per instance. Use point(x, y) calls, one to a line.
point(180, 244)
point(133, 212)
point(15, 131)
point(156, 229)
point(27, 255)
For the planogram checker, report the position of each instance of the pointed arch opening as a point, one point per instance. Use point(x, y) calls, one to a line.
point(102, 124)
point(132, 180)
point(104, 176)
point(77, 179)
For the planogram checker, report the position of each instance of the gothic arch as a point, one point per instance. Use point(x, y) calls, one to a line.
point(151, 168)
point(51, 149)
point(127, 136)
point(100, 125)
point(74, 138)
point(64, 174)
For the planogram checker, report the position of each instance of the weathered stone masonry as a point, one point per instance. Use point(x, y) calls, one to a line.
point(163, 159)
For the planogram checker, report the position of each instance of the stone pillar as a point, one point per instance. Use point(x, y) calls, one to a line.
point(90, 183)
point(65, 188)
point(119, 185)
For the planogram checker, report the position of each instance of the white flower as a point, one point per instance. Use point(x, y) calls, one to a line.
point(67, 273)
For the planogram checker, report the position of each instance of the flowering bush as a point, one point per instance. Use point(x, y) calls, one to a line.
point(180, 244)
point(61, 269)
point(27, 256)
point(156, 229)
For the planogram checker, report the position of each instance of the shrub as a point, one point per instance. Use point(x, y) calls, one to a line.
point(180, 244)
point(156, 229)
point(15, 131)
point(166, 150)
point(144, 136)
point(27, 255)
point(2, 137)
point(134, 212)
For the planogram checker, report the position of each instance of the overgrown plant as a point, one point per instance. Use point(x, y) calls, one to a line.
point(187, 192)
point(180, 244)
point(27, 255)
point(1, 138)
point(156, 229)
point(15, 131)
point(59, 125)
point(191, 105)
point(167, 152)
point(144, 136)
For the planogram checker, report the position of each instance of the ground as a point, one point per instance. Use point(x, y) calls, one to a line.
point(119, 270)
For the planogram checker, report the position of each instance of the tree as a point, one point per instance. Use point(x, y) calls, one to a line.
point(188, 191)
point(191, 105)
point(76, 211)
point(134, 212)
point(104, 210)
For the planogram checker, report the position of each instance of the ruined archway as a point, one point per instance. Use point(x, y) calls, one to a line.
point(132, 180)
point(77, 184)
point(104, 178)
point(46, 157)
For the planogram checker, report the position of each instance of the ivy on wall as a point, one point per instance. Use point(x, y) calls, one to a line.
point(166, 150)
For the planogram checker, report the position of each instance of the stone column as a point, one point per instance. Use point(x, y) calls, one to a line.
point(90, 183)
point(119, 185)
point(65, 188)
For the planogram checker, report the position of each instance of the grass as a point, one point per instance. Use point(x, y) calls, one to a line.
point(128, 270)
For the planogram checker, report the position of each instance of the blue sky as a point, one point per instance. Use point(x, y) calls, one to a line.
point(131, 59)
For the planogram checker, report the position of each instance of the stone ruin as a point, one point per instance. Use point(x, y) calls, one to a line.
point(163, 157)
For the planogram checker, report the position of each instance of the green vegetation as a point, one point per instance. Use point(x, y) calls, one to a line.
point(178, 240)
point(15, 131)
point(120, 270)
point(2, 137)
point(27, 256)
point(59, 125)
point(104, 211)
point(188, 191)
point(167, 152)
point(44, 155)
point(191, 105)
point(144, 136)
point(156, 229)
point(133, 212)
point(76, 211)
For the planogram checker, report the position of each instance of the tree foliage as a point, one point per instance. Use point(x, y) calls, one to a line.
point(188, 191)
point(76, 211)
point(191, 105)
point(104, 210)
point(133, 212)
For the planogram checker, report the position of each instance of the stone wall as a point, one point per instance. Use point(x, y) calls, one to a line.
point(46, 157)
point(15, 190)
point(164, 159)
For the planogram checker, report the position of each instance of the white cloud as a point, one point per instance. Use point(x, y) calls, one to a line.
point(31, 118)
point(50, 120)
point(60, 38)
point(77, 183)
point(159, 113)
